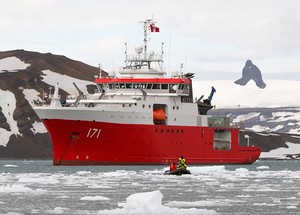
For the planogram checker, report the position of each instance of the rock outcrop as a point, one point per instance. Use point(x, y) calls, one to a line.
point(21, 140)
point(251, 72)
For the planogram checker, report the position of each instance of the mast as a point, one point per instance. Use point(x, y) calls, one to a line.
point(140, 64)
point(146, 27)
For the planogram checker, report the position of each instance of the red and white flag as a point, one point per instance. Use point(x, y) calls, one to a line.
point(153, 28)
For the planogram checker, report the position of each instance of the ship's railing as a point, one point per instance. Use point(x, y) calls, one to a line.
point(141, 57)
point(223, 122)
point(186, 100)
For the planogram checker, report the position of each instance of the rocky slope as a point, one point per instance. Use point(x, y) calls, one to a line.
point(24, 141)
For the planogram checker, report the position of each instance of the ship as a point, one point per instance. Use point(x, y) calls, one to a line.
point(142, 116)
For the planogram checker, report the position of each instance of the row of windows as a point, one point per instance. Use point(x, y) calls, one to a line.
point(171, 87)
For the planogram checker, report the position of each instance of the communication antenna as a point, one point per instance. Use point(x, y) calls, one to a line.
point(125, 52)
point(185, 58)
point(100, 71)
point(169, 54)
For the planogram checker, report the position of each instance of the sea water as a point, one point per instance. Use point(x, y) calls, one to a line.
point(38, 187)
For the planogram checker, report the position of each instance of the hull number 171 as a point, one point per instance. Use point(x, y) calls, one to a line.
point(93, 133)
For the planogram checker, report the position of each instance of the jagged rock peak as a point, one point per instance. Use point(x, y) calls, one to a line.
point(251, 72)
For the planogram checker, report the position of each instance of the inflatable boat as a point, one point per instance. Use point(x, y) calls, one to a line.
point(179, 171)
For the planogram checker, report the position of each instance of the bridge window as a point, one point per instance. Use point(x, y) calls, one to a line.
point(173, 88)
point(156, 86)
point(164, 86)
point(128, 85)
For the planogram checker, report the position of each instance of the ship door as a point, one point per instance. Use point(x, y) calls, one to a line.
point(160, 114)
point(222, 139)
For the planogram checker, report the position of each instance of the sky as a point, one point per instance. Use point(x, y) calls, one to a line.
point(212, 38)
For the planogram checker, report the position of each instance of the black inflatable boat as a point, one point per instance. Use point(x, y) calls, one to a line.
point(179, 171)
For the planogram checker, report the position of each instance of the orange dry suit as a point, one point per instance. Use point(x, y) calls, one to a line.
point(172, 166)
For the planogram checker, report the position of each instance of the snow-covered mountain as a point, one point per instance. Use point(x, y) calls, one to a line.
point(25, 76)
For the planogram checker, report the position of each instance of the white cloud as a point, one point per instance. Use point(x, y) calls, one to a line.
point(217, 36)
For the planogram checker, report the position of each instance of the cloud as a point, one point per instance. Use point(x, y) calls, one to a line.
point(210, 35)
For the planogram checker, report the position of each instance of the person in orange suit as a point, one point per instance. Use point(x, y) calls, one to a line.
point(172, 166)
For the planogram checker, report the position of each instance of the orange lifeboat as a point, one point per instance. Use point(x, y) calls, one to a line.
point(159, 115)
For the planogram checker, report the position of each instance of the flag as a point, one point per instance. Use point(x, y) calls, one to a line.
point(153, 28)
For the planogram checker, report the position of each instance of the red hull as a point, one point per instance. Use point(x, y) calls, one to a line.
point(97, 143)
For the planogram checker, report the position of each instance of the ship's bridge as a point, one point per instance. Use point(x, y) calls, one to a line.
point(178, 86)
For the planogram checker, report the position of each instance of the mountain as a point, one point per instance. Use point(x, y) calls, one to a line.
point(24, 76)
point(271, 115)
point(251, 72)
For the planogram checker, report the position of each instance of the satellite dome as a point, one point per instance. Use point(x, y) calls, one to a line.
point(139, 49)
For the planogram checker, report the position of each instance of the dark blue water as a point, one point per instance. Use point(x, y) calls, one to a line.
point(37, 187)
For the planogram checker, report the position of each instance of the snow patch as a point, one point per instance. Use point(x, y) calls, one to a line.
point(245, 117)
point(65, 82)
point(31, 95)
point(38, 127)
point(8, 105)
point(12, 64)
point(281, 153)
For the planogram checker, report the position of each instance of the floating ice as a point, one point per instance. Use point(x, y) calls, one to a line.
point(208, 203)
point(57, 210)
point(94, 198)
point(262, 167)
point(83, 172)
point(151, 203)
point(10, 165)
point(14, 188)
point(40, 180)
